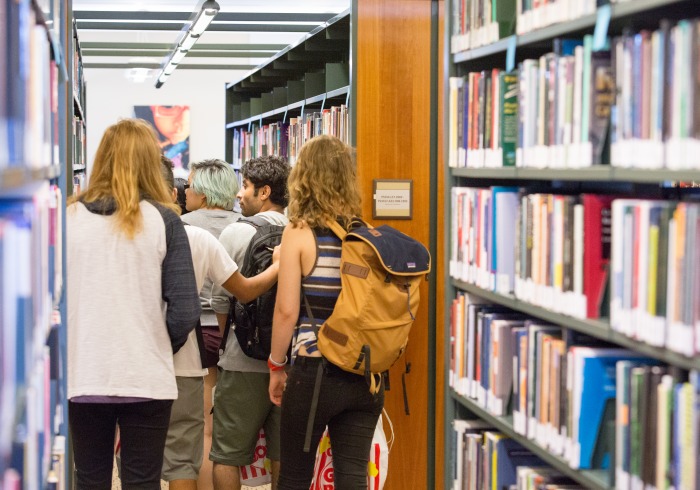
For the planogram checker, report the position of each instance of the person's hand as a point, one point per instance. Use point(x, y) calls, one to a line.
point(277, 382)
point(276, 254)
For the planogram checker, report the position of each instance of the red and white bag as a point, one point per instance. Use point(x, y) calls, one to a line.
point(258, 472)
point(377, 466)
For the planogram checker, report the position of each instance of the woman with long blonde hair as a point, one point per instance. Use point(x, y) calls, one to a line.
point(132, 301)
point(322, 187)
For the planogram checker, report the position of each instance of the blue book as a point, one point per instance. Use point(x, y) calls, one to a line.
point(509, 454)
point(594, 394)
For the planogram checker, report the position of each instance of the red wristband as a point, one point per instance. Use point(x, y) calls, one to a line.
point(274, 366)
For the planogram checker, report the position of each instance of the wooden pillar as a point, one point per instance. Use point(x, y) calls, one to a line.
point(392, 137)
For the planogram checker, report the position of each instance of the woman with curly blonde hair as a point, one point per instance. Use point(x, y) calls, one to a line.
point(132, 302)
point(322, 187)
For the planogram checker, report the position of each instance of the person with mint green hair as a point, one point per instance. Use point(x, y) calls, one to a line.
point(210, 194)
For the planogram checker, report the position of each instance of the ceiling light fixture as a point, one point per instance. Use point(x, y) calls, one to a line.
point(206, 14)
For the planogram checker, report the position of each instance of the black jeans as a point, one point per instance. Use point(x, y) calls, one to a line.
point(143, 427)
point(349, 410)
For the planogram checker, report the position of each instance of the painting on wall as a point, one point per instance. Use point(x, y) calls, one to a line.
point(172, 124)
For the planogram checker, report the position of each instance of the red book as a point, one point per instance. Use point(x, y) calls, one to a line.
point(596, 250)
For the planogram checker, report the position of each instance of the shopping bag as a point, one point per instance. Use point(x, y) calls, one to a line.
point(258, 472)
point(377, 465)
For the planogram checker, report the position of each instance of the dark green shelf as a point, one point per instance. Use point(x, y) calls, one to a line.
point(595, 328)
point(593, 479)
point(602, 173)
point(334, 94)
point(619, 11)
point(16, 177)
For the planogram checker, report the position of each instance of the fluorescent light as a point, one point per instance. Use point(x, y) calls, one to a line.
point(161, 80)
point(188, 42)
point(178, 56)
point(204, 17)
point(201, 23)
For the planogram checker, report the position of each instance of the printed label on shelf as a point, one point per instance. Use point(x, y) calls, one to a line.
point(680, 338)
point(519, 422)
point(531, 428)
point(657, 331)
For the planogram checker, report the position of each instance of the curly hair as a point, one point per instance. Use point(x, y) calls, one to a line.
point(126, 168)
point(269, 170)
point(323, 184)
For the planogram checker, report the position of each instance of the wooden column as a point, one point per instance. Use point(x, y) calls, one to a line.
point(393, 104)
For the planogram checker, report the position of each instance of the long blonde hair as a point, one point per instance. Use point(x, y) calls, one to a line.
point(323, 184)
point(127, 169)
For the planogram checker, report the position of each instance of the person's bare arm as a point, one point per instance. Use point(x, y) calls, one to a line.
point(246, 289)
point(286, 303)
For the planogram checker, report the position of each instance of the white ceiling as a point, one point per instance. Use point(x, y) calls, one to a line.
point(127, 57)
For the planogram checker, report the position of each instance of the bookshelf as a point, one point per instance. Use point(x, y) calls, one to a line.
point(78, 150)
point(648, 183)
point(306, 78)
point(37, 110)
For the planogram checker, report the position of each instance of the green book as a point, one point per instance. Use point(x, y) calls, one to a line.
point(503, 12)
point(636, 422)
point(508, 116)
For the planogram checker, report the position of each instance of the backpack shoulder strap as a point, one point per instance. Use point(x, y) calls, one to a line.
point(336, 228)
point(340, 232)
point(255, 221)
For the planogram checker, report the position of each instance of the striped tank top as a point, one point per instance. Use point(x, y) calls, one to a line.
point(322, 287)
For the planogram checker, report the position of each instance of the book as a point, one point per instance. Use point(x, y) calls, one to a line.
point(593, 396)
point(597, 242)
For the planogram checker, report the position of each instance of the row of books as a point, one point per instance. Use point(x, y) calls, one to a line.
point(486, 459)
point(511, 364)
point(655, 273)
point(553, 112)
point(286, 139)
point(637, 105)
point(656, 427)
point(595, 405)
point(30, 287)
point(547, 249)
point(28, 91)
point(656, 121)
point(78, 75)
point(79, 144)
point(635, 261)
point(480, 22)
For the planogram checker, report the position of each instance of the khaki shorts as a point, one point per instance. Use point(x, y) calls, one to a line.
point(184, 446)
point(241, 407)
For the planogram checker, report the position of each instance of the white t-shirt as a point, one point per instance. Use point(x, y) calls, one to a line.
point(211, 261)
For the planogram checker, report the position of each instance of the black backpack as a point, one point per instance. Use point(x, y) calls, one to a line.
point(253, 321)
